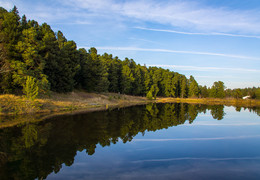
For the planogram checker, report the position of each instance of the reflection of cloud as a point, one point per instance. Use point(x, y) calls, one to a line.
point(197, 139)
point(208, 124)
point(195, 158)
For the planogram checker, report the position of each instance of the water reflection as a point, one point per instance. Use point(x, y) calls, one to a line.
point(34, 150)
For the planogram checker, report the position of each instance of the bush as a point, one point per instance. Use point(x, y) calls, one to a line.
point(149, 95)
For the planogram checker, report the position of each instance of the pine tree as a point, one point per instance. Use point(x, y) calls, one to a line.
point(193, 88)
point(127, 78)
point(30, 88)
point(32, 64)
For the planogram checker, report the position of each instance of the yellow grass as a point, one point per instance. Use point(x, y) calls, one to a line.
point(11, 104)
point(212, 101)
point(26, 111)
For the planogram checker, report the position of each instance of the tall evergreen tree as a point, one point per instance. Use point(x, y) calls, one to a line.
point(127, 77)
point(217, 90)
point(50, 52)
point(193, 87)
point(32, 64)
point(10, 33)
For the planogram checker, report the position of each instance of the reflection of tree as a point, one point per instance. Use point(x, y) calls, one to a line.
point(29, 135)
point(217, 111)
point(35, 150)
point(238, 109)
point(252, 109)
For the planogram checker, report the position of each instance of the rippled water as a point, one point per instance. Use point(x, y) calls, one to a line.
point(154, 141)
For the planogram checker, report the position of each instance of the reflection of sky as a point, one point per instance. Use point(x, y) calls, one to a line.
point(206, 149)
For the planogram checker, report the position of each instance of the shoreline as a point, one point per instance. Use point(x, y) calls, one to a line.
point(81, 102)
point(10, 120)
point(213, 101)
point(84, 102)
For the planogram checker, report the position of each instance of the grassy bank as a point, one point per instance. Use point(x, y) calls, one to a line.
point(212, 101)
point(11, 104)
point(77, 101)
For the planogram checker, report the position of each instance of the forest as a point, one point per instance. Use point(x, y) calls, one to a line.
point(34, 53)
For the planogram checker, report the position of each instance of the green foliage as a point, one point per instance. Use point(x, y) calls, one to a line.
point(237, 93)
point(257, 93)
point(30, 88)
point(217, 90)
point(149, 95)
point(193, 88)
point(55, 63)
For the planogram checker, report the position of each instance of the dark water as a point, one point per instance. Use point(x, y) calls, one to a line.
point(155, 141)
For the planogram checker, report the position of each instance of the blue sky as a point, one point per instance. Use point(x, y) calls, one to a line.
point(210, 39)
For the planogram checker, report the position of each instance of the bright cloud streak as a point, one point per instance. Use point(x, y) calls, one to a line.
point(196, 68)
point(184, 14)
point(178, 51)
point(194, 33)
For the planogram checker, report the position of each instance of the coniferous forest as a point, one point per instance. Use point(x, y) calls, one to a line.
point(30, 50)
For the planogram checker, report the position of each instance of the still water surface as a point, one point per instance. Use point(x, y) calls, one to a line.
point(154, 141)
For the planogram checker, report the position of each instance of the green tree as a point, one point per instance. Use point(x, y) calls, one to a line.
point(68, 64)
point(10, 33)
point(193, 87)
point(149, 95)
point(257, 93)
point(103, 67)
point(204, 91)
point(237, 93)
point(218, 90)
point(184, 87)
point(32, 63)
point(127, 77)
point(50, 52)
point(30, 88)
point(114, 75)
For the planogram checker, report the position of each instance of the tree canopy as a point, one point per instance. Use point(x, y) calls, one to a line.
point(28, 49)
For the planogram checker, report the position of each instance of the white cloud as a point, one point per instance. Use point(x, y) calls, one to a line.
point(6, 4)
point(184, 14)
point(196, 68)
point(179, 52)
point(197, 33)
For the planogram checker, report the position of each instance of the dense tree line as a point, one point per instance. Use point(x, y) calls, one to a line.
point(28, 49)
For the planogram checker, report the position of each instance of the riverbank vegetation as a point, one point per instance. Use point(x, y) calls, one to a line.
point(83, 101)
point(36, 61)
point(57, 102)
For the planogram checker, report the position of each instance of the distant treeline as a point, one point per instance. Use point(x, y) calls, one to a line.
point(28, 49)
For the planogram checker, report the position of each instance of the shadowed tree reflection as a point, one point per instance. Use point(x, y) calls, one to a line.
point(34, 150)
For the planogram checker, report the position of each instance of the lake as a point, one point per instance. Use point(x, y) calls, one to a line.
point(153, 141)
